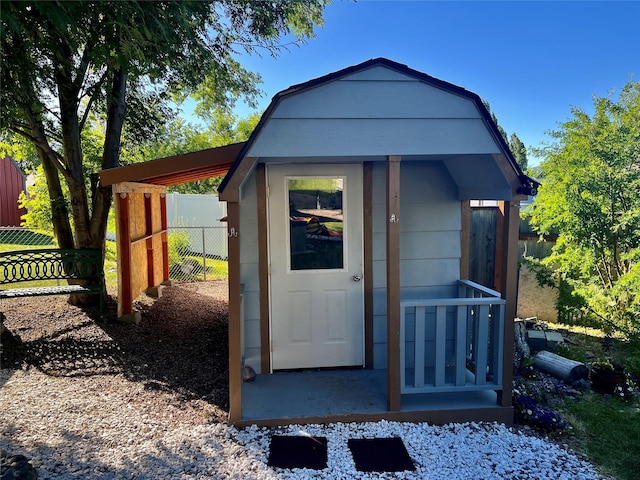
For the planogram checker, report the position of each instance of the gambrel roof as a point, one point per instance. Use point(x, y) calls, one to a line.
point(275, 131)
point(345, 114)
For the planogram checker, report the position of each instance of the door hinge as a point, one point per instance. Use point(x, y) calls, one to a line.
point(271, 346)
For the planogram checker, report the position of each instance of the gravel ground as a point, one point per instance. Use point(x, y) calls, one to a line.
point(88, 401)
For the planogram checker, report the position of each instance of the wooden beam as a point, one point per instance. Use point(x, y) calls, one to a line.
point(263, 269)
point(165, 238)
point(434, 417)
point(176, 169)
point(235, 317)
point(393, 283)
point(148, 219)
point(509, 290)
point(465, 239)
point(134, 187)
point(499, 262)
point(367, 211)
point(231, 193)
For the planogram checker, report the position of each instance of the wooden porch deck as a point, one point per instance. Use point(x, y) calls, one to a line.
point(355, 396)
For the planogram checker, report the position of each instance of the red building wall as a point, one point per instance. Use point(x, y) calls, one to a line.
point(12, 182)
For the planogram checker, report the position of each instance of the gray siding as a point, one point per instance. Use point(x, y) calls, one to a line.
point(429, 250)
point(430, 226)
point(249, 273)
point(361, 98)
point(374, 112)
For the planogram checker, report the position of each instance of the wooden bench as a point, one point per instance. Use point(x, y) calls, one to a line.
point(52, 264)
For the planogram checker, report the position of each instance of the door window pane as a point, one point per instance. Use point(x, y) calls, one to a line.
point(316, 223)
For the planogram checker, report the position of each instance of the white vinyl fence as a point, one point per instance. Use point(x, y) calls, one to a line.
point(197, 237)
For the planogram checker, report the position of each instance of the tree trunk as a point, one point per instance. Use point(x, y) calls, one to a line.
point(94, 232)
point(563, 368)
point(59, 212)
point(102, 196)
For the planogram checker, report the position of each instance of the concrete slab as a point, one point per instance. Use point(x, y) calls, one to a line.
point(537, 340)
point(155, 292)
point(553, 339)
point(360, 394)
point(133, 317)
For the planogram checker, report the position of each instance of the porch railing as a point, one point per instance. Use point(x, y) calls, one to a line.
point(452, 344)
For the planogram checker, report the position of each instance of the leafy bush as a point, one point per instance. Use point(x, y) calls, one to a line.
point(179, 246)
point(571, 352)
point(37, 204)
point(590, 194)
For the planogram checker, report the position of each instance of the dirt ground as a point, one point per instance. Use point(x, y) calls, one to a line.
point(180, 347)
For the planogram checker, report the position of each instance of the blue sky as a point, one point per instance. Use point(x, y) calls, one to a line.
point(530, 60)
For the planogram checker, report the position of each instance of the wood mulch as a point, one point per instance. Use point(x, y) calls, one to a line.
point(179, 349)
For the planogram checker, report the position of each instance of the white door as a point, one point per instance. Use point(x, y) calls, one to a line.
point(315, 243)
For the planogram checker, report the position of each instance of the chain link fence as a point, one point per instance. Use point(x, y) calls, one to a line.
point(18, 238)
point(197, 253)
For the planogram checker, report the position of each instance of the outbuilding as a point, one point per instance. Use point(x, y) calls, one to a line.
point(348, 223)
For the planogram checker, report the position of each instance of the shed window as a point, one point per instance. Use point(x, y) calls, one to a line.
point(316, 223)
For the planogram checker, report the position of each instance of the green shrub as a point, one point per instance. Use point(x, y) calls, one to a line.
point(179, 246)
point(571, 352)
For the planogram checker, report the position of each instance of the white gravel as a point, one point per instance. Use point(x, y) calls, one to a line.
point(109, 428)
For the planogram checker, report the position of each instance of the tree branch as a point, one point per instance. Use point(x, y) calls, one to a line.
point(41, 141)
point(92, 97)
point(115, 119)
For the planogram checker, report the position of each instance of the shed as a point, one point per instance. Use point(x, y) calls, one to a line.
point(348, 225)
point(12, 182)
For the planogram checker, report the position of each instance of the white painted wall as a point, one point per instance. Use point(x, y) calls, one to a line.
point(187, 210)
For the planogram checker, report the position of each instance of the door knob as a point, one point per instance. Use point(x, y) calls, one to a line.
point(357, 277)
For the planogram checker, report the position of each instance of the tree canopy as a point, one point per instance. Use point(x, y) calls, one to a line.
point(179, 136)
point(80, 78)
point(518, 149)
point(591, 194)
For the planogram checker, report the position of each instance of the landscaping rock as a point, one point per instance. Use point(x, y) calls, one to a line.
point(248, 374)
point(553, 340)
point(537, 340)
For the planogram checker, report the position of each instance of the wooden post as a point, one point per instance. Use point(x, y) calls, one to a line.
point(393, 283)
point(235, 347)
point(509, 290)
point(465, 239)
point(263, 268)
point(165, 238)
point(148, 219)
point(500, 239)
